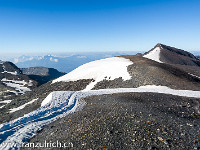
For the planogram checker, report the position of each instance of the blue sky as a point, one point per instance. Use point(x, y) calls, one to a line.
point(98, 25)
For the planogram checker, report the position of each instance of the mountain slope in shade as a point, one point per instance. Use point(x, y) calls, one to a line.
point(9, 67)
point(13, 80)
point(13, 83)
point(171, 55)
point(42, 74)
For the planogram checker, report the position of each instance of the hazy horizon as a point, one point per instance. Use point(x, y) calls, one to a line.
point(10, 56)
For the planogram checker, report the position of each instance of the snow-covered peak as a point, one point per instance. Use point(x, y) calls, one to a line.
point(154, 54)
point(109, 69)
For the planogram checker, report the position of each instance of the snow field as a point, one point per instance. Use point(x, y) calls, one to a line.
point(20, 86)
point(109, 69)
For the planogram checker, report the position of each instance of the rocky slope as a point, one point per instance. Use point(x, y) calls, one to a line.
point(128, 121)
point(13, 81)
point(173, 55)
point(176, 57)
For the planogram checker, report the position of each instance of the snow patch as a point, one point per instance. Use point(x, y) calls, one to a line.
point(154, 55)
point(13, 73)
point(4, 102)
point(22, 106)
point(194, 75)
point(111, 68)
point(19, 86)
point(2, 106)
point(47, 99)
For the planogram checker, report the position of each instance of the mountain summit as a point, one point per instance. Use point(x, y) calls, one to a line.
point(170, 55)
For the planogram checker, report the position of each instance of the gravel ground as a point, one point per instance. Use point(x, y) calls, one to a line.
point(129, 121)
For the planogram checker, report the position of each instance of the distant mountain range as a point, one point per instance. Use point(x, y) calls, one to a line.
point(63, 62)
point(67, 62)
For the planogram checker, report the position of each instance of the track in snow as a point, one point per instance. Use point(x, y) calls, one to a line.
point(61, 104)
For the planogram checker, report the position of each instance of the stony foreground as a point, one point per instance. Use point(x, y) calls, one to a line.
point(129, 121)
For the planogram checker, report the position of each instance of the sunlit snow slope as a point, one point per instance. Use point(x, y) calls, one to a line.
point(109, 69)
point(154, 54)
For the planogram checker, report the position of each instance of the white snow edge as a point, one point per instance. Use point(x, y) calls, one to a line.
point(141, 89)
point(22, 106)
